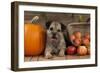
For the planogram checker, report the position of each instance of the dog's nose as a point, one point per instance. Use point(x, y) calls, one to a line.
point(54, 34)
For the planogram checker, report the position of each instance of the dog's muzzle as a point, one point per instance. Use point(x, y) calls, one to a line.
point(54, 36)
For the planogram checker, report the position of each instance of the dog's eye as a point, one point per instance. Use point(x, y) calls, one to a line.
point(51, 29)
point(58, 30)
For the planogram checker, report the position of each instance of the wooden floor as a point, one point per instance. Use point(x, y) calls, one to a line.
point(67, 57)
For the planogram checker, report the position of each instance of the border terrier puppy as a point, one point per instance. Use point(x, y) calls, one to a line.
point(55, 43)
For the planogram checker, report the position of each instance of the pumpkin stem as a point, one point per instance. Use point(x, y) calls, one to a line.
point(35, 19)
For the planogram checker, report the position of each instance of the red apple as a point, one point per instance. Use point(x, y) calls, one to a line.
point(85, 42)
point(78, 34)
point(77, 42)
point(71, 50)
point(87, 35)
point(82, 50)
point(72, 37)
point(88, 49)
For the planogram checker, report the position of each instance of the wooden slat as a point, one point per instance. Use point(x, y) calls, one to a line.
point(67, 57)
point(77, 57)
point(34, 58)
point(27, 59)
point(42, 58)
point(59, 58)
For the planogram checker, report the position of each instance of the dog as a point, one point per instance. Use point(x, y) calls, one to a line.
point(55, 43)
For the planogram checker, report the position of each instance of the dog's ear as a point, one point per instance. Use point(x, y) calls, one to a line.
point(63, 27)
point(48, 24)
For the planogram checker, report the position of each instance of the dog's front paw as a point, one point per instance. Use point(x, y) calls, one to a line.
point(61, 53)
point(48, 56)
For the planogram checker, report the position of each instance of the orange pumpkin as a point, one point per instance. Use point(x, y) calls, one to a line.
point(34, 39)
